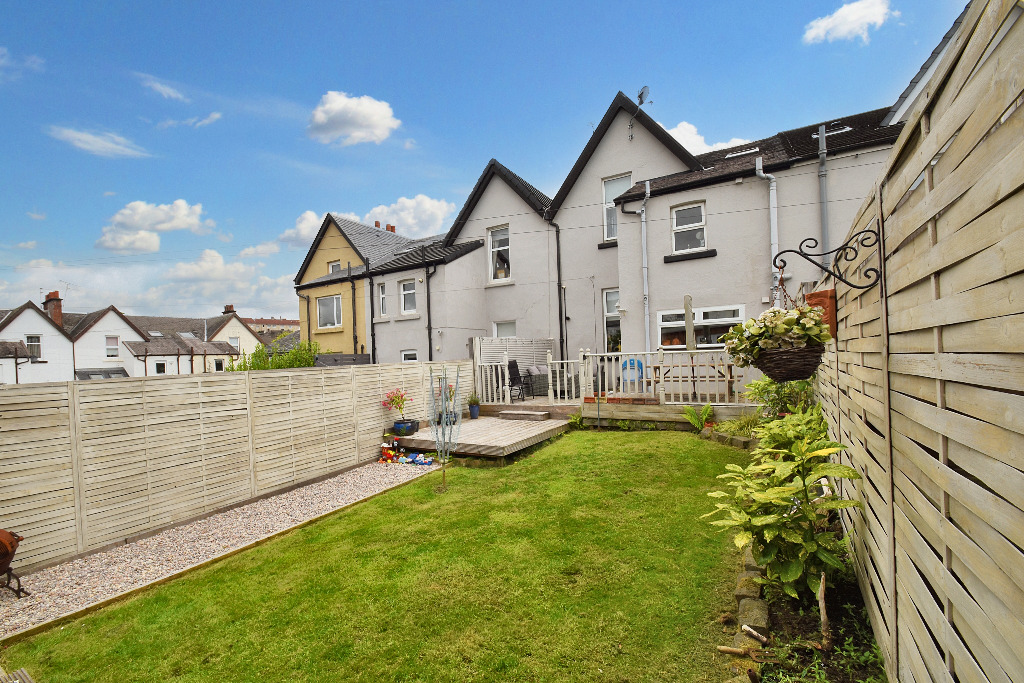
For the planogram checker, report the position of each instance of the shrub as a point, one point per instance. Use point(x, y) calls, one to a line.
point(744, 425)
point(576, 420)
point(777, 507)
point(698, 420)
point(801, 425)
point(302, 356)
point(626, 425)
point(780, 397)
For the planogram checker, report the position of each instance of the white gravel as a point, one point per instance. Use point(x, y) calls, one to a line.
point(70, 586)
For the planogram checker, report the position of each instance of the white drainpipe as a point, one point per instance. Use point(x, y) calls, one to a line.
point(773, 221)
point(643, 247)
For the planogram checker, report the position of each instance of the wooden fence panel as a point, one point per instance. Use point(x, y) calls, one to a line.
point(923, 383)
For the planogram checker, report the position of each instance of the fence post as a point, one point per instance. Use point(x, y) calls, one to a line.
point(252, 434)
point(506, 385)
point(551, 389)
point(660, 376)
point(76, 465)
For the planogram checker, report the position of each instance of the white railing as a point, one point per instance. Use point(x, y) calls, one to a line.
point(566, 380)
point(669, 376)
point(560, 381)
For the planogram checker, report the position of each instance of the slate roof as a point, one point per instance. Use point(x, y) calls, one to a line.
point(280, 345)
point(175, 345)
point(433, 253)
point(534, 198)
point(13, 314)
point(779, 151)
point(13, 349)
point(371, 245)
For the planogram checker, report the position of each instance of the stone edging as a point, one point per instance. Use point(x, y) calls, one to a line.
point(747, 443)
point(750, 610)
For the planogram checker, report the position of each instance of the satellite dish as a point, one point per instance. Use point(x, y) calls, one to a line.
point(642, 96)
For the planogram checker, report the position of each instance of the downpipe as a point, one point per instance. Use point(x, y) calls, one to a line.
point(773, 222)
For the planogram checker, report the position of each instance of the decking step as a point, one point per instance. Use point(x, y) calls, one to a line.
point(524, 415)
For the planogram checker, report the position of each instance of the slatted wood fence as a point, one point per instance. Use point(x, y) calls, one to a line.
point(925, 381)
point(87, 464)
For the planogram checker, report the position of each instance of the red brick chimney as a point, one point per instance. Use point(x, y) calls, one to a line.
point(376, 224)
point(53, 308)
point(228, 308)
point(391, 228)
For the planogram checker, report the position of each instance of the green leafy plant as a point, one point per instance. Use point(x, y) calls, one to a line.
point(780, 397)
point(303, 355)
point(779, 507)
point(698, 420)
point(650, 426)
point(473, 400)
point(576, 420)
point(802, 424)
point(744, 425)
point(626, 425)
point(396, 400)
point(776, 328)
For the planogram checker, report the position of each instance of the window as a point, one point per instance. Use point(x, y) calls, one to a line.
point(709, 324)
point(408, 289)
point(612, 330)
point(334, 267)
point(155, 333)
point(501, 267)
point(34, 342)
point(688, 228)
point(409, 356)
point(328, 311)
point(234, 342)
point(505, 329)
point(186, 335)
point(112, 347)
point(613, 187)
point(161, 368)
point(218, 365)
point(383, 298)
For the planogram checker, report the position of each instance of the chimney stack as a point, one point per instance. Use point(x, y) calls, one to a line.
point(376, 224)
point(53, 308)
point(391, 228)
point(228, 308)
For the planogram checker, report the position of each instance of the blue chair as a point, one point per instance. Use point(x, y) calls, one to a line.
point(632, 370)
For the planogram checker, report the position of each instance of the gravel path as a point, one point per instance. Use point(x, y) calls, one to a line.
point(73, 585)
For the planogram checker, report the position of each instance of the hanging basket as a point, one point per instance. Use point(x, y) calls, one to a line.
point(787, 365)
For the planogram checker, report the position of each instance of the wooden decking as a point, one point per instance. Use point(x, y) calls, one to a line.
point(490, 436)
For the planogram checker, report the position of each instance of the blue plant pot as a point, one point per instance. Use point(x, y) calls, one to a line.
point(406, 427)
point(474, 412)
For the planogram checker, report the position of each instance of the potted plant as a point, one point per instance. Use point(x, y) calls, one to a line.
point(784, 344)
point(451, 416)
point(397, 400)
point(474, 406)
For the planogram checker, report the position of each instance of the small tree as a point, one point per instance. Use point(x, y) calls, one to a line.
point(303, 355)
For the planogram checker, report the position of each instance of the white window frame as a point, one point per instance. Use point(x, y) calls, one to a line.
point(609, 203)
point(503, 322)
point(491, 253)
point(409, 355)
point(337, 310)
point(382, 292)
point(220, 362)
point(115, 350)
point(402, 292)
point(333, 267)
point(699, 320)
point(608, 316)
point(236, 342)
point(160, 367)
point(38, 344)
point(703, 225)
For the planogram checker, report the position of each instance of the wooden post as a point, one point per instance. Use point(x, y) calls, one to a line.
point(252, 433)
point(551, 389)
point(691, 338)
point(581, 370)
point(506, 386)
point(661, 375)
point(76, 466)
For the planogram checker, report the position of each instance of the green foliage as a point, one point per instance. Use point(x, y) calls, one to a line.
point(780, 397)
point(778, 506)
point(576, 420)
point(698, 420)
point(776, 328)
point(803, 424)
point(650, 426)
point(744, 425)
point(473, 400)
point(626, 425)
point(302, 356)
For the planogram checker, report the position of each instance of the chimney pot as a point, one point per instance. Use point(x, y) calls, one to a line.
point(391, 228)
point(53, 308)
point(376, 224)
point(229, 308)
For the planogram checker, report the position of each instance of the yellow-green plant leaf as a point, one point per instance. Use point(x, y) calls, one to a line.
point(742, 538)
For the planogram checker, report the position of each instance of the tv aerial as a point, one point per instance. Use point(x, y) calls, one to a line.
point(641, 99)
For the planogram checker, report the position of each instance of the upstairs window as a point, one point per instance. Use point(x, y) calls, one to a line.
point(613, 187)
point(113, 344)
point(234, 342)
point(34, 342)
point(408, 290)
point(382, 289)
point(688, 223)
point(334, 267)
point(501, 266)
point(328, 310)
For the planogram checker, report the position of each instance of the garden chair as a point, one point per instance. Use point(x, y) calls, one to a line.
point(515, 382)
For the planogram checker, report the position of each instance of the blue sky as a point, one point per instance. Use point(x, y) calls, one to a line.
point(169, 158)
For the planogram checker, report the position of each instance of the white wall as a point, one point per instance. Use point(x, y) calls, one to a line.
point(397, 331)
point(57, 364)
point(235, 328)
point(91, 347)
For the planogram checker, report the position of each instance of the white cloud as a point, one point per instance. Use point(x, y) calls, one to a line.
point(260, 250)
point(26, 245)
point(210, 266)
point(194, 122)
point(162, 89)
point(12, 69)
point(409, 144)
point(109, 193)
point(687, 135)
point(351, 119)
point(136, 227)
point(36, 216)
point(100, 144)
point(416, 217)
point(306, 227)
point(351, 216)
point(35, 263)
point(850, 21)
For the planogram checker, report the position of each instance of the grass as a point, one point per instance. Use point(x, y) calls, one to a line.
point(585, 561)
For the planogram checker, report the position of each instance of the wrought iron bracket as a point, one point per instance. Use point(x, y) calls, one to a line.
point(847, 252)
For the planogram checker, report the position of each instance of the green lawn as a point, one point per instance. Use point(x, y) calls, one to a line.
point(585, 561)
